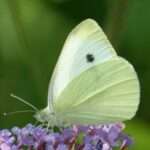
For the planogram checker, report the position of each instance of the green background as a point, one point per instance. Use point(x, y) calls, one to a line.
point(32, 33)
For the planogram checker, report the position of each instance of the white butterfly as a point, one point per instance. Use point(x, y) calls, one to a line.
point(91, 84)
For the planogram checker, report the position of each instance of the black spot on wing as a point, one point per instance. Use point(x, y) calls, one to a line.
point(90, 58)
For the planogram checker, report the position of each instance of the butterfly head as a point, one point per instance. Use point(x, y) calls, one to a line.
point(46, 117)
point(42, 115)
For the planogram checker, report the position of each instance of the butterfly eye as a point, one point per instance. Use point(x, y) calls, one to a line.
point(90, 58)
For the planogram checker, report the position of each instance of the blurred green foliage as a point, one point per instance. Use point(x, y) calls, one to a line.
point(31, 37)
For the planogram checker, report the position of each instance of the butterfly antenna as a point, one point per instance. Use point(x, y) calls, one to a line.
point(17, 112)
point(25, 102)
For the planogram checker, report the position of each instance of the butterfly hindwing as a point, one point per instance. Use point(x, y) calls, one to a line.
point(106, 92)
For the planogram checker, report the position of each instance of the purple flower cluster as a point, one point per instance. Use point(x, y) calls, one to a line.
point(102, 137)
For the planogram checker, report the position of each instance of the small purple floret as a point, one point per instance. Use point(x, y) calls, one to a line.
point(102, 137)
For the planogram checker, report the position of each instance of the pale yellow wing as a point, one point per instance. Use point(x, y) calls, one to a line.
point(85, 43)
point(107, 92)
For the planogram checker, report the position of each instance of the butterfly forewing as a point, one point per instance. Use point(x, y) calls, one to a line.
point(86, 41)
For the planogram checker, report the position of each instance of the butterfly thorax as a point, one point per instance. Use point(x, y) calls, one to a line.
point(45, 116)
